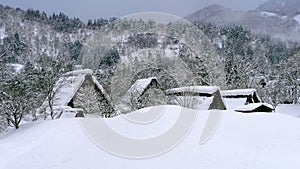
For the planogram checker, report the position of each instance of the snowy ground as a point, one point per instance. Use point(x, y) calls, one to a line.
point(242, 141)
point(290, 109)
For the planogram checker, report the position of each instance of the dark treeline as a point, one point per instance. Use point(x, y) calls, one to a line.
point(62, 23)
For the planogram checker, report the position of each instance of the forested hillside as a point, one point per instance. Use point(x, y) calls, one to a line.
point(36, 49)
point(257, 61)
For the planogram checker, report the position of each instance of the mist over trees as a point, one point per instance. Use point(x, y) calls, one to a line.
point(257, 61)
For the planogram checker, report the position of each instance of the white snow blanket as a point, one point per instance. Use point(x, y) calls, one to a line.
point(245, 141)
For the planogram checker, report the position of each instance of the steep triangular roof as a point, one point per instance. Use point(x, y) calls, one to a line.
point(69, 83)
point(138, 88)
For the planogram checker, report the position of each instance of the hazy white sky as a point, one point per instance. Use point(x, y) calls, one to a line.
point(91, 9)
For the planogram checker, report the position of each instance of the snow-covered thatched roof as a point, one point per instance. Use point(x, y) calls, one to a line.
point(238, 92)
point(79, 72)
point(197, 97)
point(253, 106)
point(69, 83)
point(233, 103)
point(239, 97)
point(138, 88)
point(193, 89)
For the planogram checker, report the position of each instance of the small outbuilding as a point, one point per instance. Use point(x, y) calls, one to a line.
point(196, 97)
point(240, 97)
point(255, 107)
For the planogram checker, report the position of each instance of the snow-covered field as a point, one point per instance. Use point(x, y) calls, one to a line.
point(241, 141)
point(293, 110)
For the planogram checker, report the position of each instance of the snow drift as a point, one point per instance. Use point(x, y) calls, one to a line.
point(248, 141)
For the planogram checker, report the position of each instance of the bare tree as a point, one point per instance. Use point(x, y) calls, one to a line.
point(14, 111)
point(52, 88)
point(187, 100)
point(15, 100)
point(240, 70)
point(52, 82)
point(272, 93)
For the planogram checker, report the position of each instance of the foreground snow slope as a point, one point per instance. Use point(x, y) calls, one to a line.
point(245, 141)
point(290, 109)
